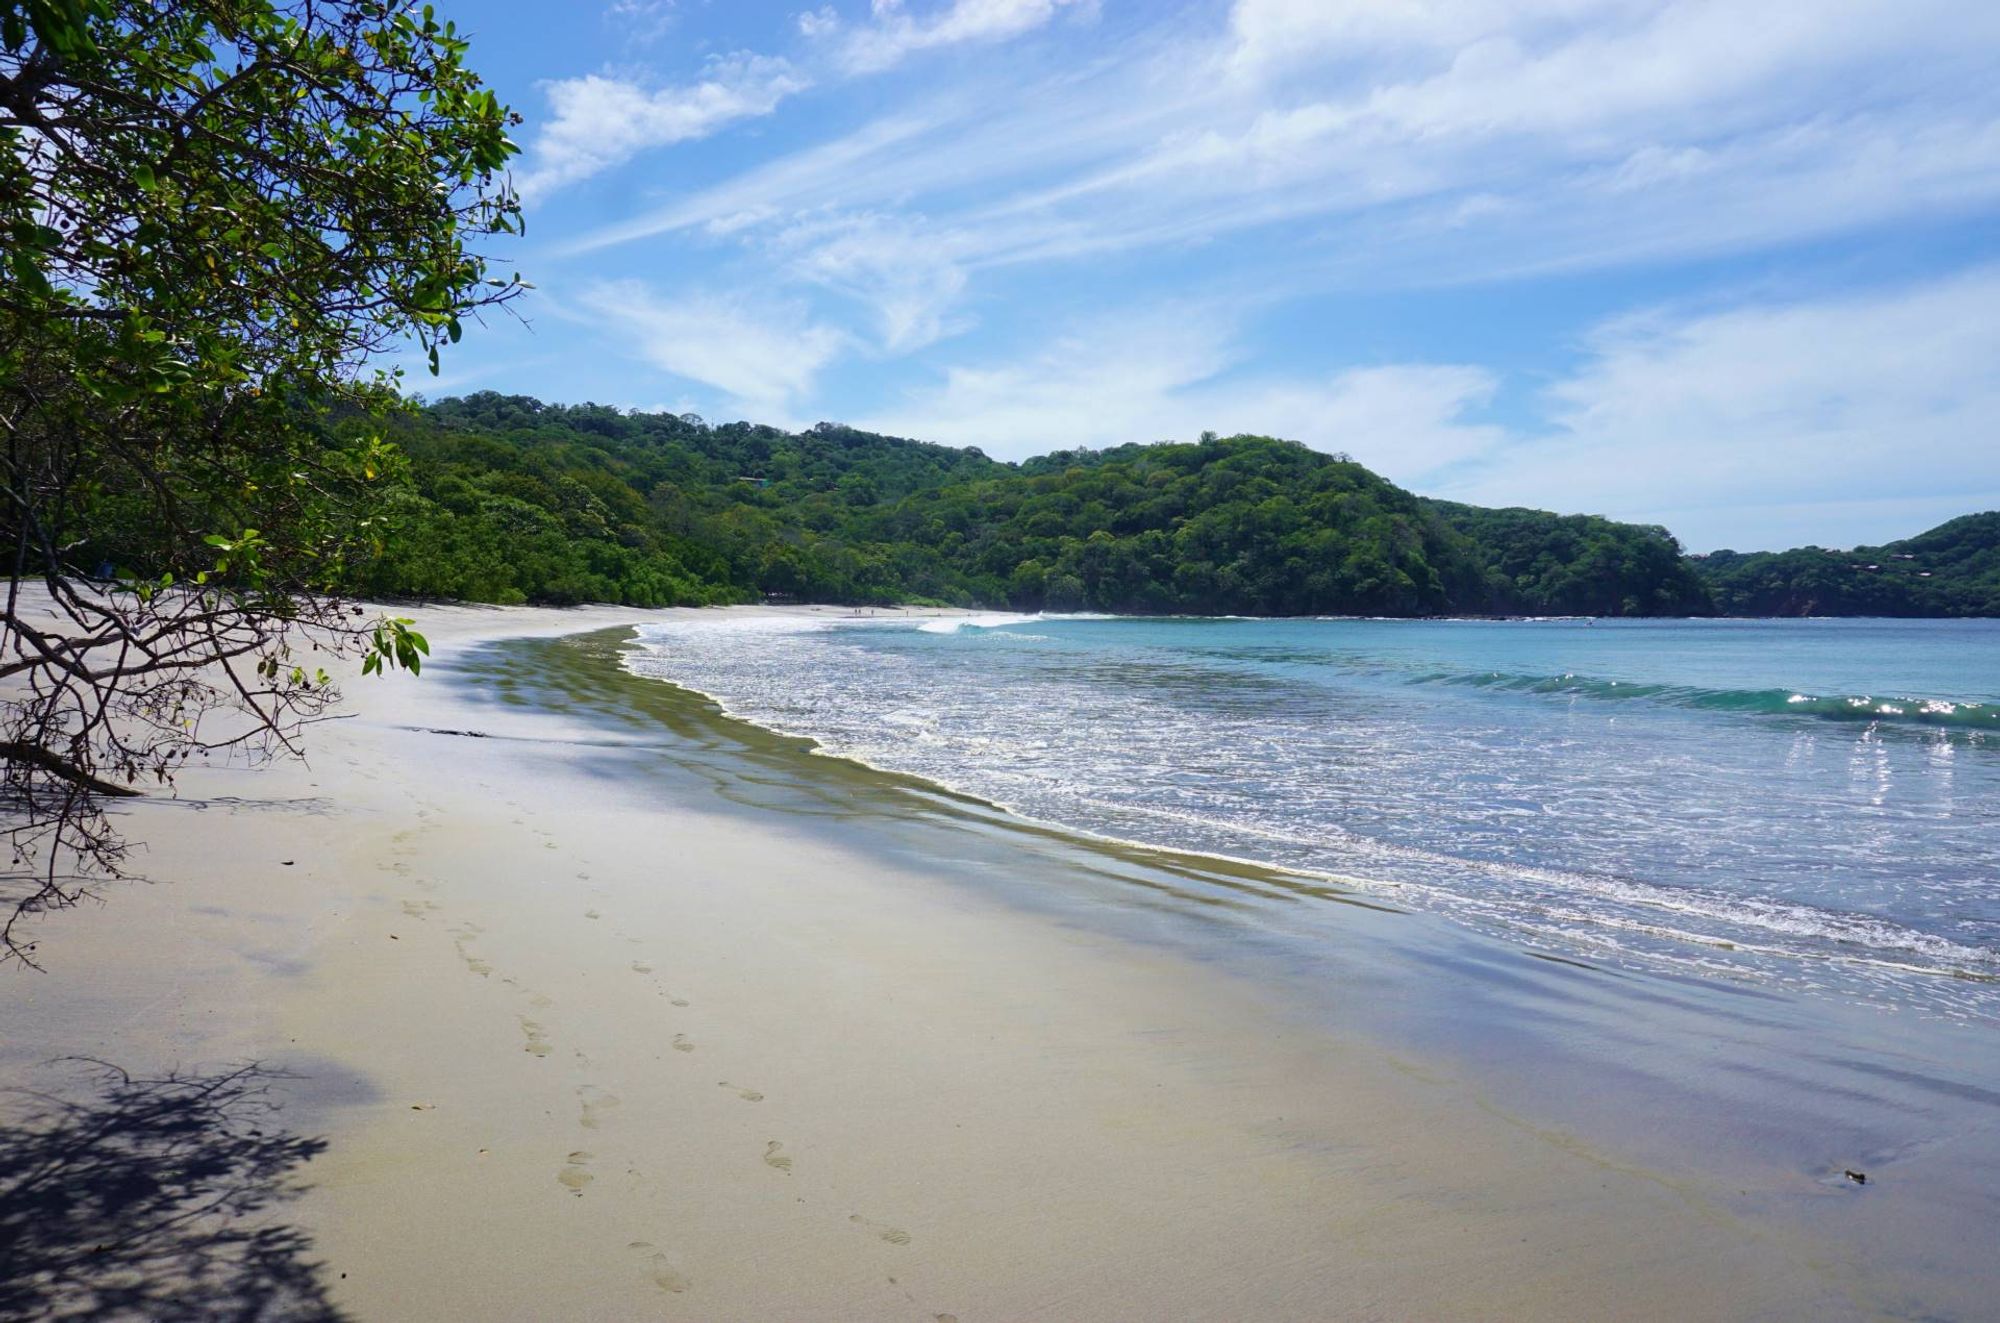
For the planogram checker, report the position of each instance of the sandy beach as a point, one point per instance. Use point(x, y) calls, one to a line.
point(583, 1041)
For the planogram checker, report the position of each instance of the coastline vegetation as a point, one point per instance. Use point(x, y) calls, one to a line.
point(506, 499)
point(215, 216)
point(1952, 570)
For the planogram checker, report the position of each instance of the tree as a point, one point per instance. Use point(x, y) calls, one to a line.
point(216, 216)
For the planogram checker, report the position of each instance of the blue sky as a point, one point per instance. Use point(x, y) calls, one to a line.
point(1732, 266)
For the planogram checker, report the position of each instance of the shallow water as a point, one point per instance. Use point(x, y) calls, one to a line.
point(1809, 804)
point(1749, 1099)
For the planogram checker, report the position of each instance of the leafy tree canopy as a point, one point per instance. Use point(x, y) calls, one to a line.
point(509, 499)
point(1953, 570)
point(213, 215)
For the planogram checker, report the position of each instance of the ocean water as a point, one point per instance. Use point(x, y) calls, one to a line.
point(1809, 804)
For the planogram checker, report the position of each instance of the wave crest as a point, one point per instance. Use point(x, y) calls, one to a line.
point(1897, 710)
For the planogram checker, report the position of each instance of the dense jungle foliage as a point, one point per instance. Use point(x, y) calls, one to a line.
point(510, 500)
point(506, 499)
point(1953, 570)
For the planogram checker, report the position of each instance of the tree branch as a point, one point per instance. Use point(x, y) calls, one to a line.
point(34, 755)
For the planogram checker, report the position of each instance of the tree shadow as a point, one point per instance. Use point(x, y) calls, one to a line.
point(153, 1199)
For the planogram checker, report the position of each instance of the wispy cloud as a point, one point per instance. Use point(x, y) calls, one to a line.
point(906, 274)
point(775, 192)
point(1422, 140)
point(642, 22)
point(892, 33)
point(599, 122)
point(1688, 417)
point(763, 359)
point(1405, 112)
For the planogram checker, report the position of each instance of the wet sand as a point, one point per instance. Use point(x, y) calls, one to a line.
point(620, 1016)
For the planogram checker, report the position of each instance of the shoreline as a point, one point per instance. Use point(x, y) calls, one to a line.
point(965, 1106)
point(1757, 1100)
point(1380, 892)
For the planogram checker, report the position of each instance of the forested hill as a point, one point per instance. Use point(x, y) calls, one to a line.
point(510, 500)
point(1953, 570)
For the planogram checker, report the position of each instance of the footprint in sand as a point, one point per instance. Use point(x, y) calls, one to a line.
point(538, 1040)
point(462, 940)
point(681, 1043)
point(775, 1159)
point(420, 909)
point(677, 1001)
point(594, 1102)
point(592, 914)
point(575, 1176)
point(747, 1095)
point(473, 962)
point(638, 968)
point(894, 1235)
point(660, 1268)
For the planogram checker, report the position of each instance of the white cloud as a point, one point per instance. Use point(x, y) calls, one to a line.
point(773, 191)
point(1405, 421)
point(1097, 386)
point(903, 272)
point(642, 21)
point(598, 122)
point(1401, 103)
point(894, 34)
point(1275, 34)
point(1709, 421)
point(1427, 141)
point(1794, 182)
point(765, 360)
point(1637, 64)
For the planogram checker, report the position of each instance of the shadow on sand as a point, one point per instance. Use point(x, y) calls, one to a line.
point(154, 1199)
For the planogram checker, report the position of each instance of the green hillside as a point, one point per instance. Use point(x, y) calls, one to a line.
point(1953, 570)
point(506, 499)
point(510, 500)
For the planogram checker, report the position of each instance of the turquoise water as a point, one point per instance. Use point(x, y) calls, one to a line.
point(1812, 804)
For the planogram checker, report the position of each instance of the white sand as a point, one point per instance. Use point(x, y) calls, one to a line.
point(581, 1053)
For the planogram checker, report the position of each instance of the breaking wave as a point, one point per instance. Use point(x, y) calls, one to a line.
point(1891, 709)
